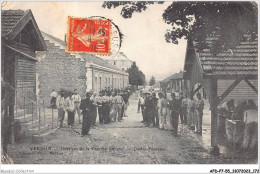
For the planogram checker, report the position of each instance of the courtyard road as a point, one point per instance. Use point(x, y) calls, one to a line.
point(126, 142)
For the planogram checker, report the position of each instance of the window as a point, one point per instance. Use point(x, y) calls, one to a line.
point(100, 83)
point(96, 84)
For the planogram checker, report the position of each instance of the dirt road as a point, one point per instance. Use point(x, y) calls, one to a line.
point(126, 142)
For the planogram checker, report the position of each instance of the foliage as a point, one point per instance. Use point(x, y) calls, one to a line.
point(152, 81)
point(129, 7)
point(228, 22)
point(136, 77)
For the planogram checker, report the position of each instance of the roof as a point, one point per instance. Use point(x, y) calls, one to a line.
point(120, 56)
point(99, 61)
point(10, 18)
point(87, 57)
point(242, 60)
point(174, 76)
point(61, 42)
point(13, 21)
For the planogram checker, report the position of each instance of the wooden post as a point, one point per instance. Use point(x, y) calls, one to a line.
point(214, 118)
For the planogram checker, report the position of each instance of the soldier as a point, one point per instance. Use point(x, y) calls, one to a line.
point(85, 107)
point(159, 110)
point(125, 97)
point(174, 108)
point(122, 94)
point(118, 100)
point(93, 109)
point(145, 109)
point(183, 115)
point(105, 110)
point(191, 112)
point(199, 106)
point(164, 109)
point(61, 108)
point(70, 108)
point(100, 108)
point(155, 118)
point(139, 102)
point(142, 98)
point(77, 99)
point(112, 107)
point(149, 109)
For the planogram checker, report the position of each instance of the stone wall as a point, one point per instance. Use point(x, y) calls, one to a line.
point(57, 69)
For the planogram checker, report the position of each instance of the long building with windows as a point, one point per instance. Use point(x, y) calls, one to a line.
point(57, 69)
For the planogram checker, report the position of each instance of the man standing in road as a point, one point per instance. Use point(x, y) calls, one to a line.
point(183, 115)
point(61, 108)
point(105, 105)
point(191, 112)
point(174, 108)
point(93, 109)
point(199, 106)
point(118, 100)
point(139, 101)
point(77, 99)
point(142, 98)
point(155, 117)
point(69, 105)
point(85, 106)
point(148, 103)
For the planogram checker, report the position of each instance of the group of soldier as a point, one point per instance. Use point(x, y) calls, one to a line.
point(164, 112)
point(109, 105)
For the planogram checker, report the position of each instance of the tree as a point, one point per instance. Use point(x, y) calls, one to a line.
point(228, 22)
point(136, 77)
point(152, 81)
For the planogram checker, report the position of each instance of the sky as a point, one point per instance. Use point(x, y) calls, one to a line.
point(143, 34)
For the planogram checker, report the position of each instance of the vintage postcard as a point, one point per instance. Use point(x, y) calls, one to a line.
point(129, 82)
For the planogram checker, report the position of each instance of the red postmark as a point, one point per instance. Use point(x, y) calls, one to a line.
point(88, 35)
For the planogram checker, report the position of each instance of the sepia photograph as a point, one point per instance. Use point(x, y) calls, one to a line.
point(130, 82)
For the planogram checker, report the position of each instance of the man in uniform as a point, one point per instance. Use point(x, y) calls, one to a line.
point(60, 103)
point(77, 99)
point(149, 108)
point(183, 115)
point(85, 106)
point(93, 109)
point(142, 98)
point(199, 106)
point(174, 108)
point(191, 112)
point(118, 101)
point(155, 117)
point(100, 107)
point(105, 105)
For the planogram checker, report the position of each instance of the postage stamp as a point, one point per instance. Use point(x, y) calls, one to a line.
point(89, 35)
